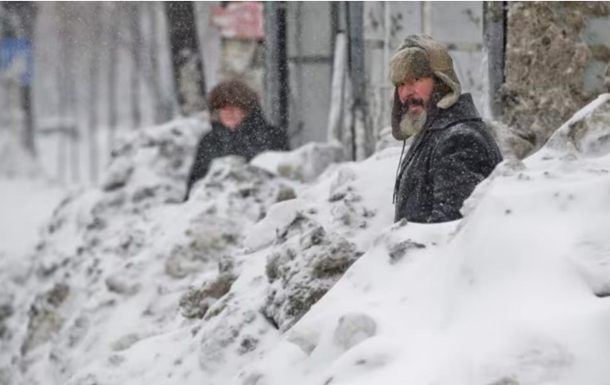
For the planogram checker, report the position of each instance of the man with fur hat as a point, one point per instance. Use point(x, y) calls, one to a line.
point(238, 128)
point(452, 150)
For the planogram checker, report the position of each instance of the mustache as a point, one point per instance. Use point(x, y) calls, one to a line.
point(413, 102)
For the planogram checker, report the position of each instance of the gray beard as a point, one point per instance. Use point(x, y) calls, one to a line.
point(413, 124)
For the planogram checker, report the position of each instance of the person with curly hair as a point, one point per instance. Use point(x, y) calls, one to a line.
point(238, 128)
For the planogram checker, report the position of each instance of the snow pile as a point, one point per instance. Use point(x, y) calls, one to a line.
point(260, 280)
point(149, 166)
point(304, 164)
point(114, 263)
point(217, 335)
point(513, 294)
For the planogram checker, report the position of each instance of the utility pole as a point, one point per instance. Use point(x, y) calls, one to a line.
point(276, 64)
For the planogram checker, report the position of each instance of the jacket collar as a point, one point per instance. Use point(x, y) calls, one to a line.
point(463, 109)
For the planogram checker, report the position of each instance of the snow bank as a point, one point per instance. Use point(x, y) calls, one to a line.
point(262, 280)
point(513, 294)
point(304, 164)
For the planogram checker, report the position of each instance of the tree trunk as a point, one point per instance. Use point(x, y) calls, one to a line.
point(188, 76)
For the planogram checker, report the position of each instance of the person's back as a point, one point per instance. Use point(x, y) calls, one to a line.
point(238, 128)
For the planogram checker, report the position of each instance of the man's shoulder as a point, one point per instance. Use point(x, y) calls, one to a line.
point(473, 129)
point(472, 135)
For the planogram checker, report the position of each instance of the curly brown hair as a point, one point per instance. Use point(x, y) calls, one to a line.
point(233, 93)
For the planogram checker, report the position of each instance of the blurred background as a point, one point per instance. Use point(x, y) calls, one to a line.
point(74, 76)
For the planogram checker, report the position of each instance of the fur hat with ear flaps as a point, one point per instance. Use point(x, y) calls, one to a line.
point(421, 56)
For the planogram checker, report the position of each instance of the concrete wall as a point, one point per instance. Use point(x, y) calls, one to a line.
point(556, 57)
point(310, 49)
point(310, 53)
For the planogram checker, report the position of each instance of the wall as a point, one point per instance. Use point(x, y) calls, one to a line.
point(556, 57)
point(458, 25)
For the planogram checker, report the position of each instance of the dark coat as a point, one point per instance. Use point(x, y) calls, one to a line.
point(253, 136)
point(453, 153)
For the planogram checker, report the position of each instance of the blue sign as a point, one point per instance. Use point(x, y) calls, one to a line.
point(16, 50)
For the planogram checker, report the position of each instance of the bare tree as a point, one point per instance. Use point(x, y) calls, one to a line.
point(186, 59)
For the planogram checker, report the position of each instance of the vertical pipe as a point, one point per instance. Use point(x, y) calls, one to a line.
point(356, 51)
point(335, 28)
point(494, 40)
point(337, 97)
point(112, 74)
point(426, 9)
point(276, 64)
point(385, 86)
point(299, 67)
point(363, 139)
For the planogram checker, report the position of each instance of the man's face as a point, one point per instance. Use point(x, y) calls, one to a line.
point(416, 98)
point(231, 117)
point(415, 94)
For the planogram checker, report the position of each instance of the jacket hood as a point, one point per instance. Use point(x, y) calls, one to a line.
point(463, 109)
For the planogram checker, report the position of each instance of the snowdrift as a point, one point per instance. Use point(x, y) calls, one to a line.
point(265, 278)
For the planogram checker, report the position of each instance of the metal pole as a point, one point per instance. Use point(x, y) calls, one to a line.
point(494, 40)
point(276, 64)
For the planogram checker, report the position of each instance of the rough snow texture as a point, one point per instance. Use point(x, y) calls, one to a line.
point(304, 265)
point(514, 293)
point(114, 262)
point(303, 164)
point(587, 131)
point(546, 42)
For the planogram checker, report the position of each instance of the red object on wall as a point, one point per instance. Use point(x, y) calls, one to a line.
point(240, 20)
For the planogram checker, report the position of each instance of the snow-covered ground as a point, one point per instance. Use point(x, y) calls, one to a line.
point(269, 275)
point(25, 205)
